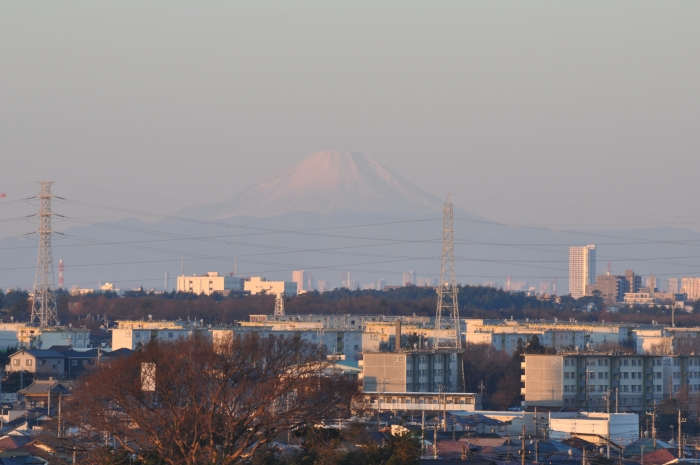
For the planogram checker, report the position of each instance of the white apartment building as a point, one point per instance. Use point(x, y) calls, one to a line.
point(209, 283)
point(507, 335)
point(590, 380)
point(33, 337)
point(581, 269)
point(134, 339)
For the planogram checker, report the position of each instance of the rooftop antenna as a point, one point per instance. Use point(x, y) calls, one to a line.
point(447, 334)
point(44, 300)
point(279, 305)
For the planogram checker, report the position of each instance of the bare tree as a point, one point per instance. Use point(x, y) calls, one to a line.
point(664, 347)
point(193, 401)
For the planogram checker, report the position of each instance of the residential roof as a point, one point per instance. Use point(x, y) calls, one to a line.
point(40, 353)
point(60, 349)
point(14, 442)
point(40, 386)
point(635, 448)
point(657, 457)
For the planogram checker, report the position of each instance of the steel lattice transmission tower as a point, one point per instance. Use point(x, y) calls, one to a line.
point(44, 301)
point(447, 331)
point(279, 305)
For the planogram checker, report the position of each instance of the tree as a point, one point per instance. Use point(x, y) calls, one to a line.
point(201, 401)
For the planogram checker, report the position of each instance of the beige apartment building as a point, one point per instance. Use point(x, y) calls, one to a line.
point(413, 371)
point(630, 383)
point(691, 287)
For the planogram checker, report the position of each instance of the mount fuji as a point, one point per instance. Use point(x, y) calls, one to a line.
point(326, 183)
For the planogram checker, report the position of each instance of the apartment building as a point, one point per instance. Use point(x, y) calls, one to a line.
point(582, 264)
point(413, 371)
point(209, 283)
point(508, 335)
point(592, 381)
point(691, 288)
point(33, 337)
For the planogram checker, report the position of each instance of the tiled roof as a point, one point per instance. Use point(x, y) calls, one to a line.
point(41, 353)
point(42, 387)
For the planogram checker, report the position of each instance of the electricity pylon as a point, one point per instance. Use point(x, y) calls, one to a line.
point(447, 331)
point(44, 300)
point(279, 305)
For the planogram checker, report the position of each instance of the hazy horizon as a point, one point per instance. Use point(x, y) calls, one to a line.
point(568, 116)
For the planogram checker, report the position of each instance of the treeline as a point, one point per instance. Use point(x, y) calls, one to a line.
point(474, 302)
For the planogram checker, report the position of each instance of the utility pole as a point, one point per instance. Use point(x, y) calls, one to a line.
point(522, 442)
point(58, 433)
point(422, 434)
point(653, 424)
point(435, 454)
point(680, 445)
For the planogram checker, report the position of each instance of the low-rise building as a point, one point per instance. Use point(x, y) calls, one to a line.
point(135, 339)
point(209, 283)
point(257, 285)
point(421, 401)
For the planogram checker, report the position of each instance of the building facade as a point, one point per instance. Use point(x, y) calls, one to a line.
point(257, 285)
point(582, 264)
point(414, 371)
point(612, 288)
point(691, 288)
point(209, 283)
point(592, 381)
point(300, 277)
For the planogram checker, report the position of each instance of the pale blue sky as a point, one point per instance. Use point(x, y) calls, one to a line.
point(555, 113)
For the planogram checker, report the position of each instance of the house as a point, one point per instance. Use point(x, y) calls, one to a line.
point(41, 391)
point(43, 363)
point(77, 362)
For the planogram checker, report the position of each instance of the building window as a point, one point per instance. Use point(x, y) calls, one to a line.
point(29, 362)
point(625, 362)
point(74, 363)
point(15, 362)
